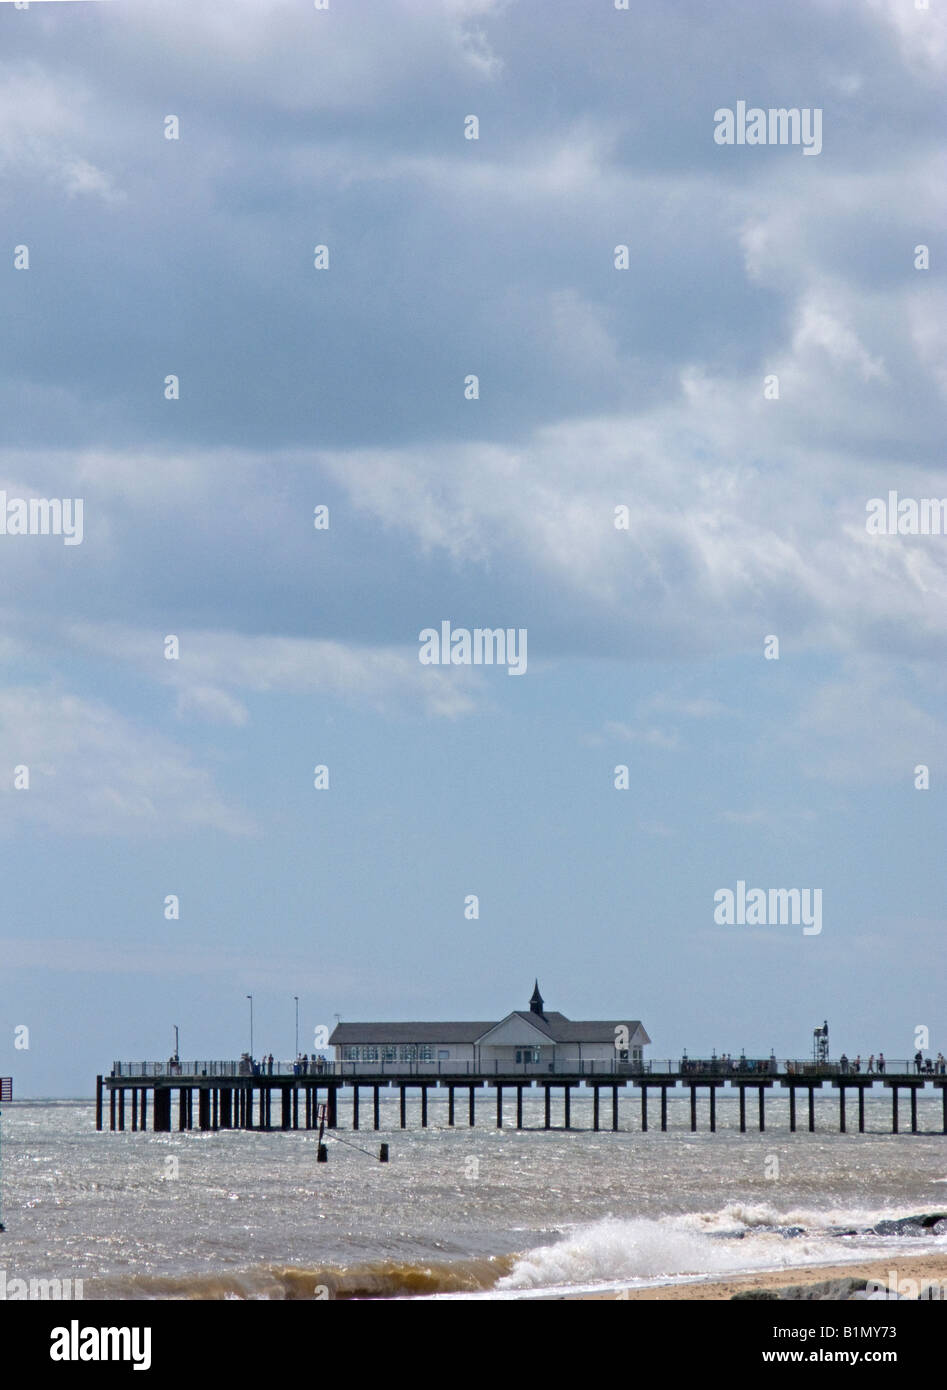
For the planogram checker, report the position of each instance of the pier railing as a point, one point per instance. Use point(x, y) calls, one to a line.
point(686, 1068)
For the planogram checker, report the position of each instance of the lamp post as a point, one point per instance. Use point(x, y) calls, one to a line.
point(250, 997)
point(296, 997)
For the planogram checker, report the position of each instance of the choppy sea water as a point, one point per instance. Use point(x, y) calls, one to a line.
point(457, 1212)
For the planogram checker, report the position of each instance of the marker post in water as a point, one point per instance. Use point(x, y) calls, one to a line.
point(6, 1093)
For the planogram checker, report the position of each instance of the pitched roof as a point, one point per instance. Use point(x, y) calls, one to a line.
point(556, 1026)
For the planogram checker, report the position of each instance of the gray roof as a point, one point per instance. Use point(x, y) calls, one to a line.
point(556, 1026)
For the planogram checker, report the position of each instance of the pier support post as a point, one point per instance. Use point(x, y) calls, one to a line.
point(134, 1110)
point(424, 1107)
point(285, 1107)
point(811, 1109)
point(404, 1103)
point(163, 1110)
point(307, 1108)
point(841, 1110)
point(943, 1105)
point(664, 1109)
point(471, 1103)
point(742, 1109)
point(792, 1110)
point(519, 1107)
point(713, 1109)
point(248, 1107)
point(121, 1109)
point(595, 1106)
point(762, 1109)
point(295, 1106)
point(375, 1106)
point(203, 1108)
point(644, 1109)
point(693, 1091)
point(499, 1107)
point(355, 1106)
point(914, 1110)
point(98, 1102)
point(615, 1109)
point(894, 1110)
point(144, 1107)
point(332, 1108)
point(450, 1106)
point(861, 1110)
point(546, 1105)
point(567, 1105)
point(182, 1107)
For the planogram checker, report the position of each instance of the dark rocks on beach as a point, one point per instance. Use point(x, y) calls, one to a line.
point(835, 1289)
point(923, 1225)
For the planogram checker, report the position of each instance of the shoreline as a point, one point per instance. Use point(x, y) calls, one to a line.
point(919, 1268)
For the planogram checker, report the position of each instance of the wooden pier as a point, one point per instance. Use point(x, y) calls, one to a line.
point(267, 1102)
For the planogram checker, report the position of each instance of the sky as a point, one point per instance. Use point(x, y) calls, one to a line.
point(772, 358)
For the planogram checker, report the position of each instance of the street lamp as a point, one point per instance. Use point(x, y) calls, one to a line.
point(250, 997)
point(296, 997)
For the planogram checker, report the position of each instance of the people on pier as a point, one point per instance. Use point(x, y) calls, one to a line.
point(918, 1061)
point(941, 1063)
point(871, 1065)
point(857, 1064)
point(881, 1063)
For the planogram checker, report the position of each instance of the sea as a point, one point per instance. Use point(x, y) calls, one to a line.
point(460, 1213)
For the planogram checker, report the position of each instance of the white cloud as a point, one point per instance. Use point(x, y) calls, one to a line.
point(94, 772)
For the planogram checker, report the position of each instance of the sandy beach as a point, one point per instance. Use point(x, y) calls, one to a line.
point(921, 1268)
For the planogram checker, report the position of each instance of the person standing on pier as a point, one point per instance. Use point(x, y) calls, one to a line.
point(918, 1061)
point(881, 1063)
point(871, 1065)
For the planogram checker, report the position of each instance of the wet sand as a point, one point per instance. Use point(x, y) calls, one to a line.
point(920, 1268)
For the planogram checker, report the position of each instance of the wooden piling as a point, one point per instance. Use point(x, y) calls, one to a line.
point(355, 1106)
point(546, 1116)
point(713, 1108)
point(644, 1108)
point(792, 1109)
point(664, 1109)
point(499, 1107)
point(98, 1103)
point(567, 1105)
point(595, 1106)
point(450, 1106)
point(375, 1116)
point(519, 1107)
point(471, 1116)
point(693, 1091)
point(742, 1090)
point(615, 1109)
point(121, 1109)
point(404, 1103)
point(423, 1106)
point(762, 1108)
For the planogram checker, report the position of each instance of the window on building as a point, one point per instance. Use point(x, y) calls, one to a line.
point(409, 1052)
point(370, 1054)
point(425, 1053)
point(443, 1054)
point(350, 1054)
point(389, 1053)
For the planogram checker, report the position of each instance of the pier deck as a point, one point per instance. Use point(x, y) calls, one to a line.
point(287, 1099)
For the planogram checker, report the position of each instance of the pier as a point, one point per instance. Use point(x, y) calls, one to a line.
point(220, 1096)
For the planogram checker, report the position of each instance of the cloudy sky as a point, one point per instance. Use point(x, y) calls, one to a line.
point(599, 388)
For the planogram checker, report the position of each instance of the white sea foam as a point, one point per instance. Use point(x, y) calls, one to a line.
point(737, 1239)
